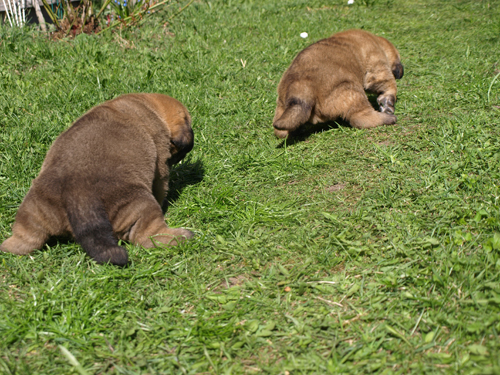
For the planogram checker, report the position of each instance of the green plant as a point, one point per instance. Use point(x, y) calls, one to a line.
point(90, 14)
point(130, 13)
point(82, 18)
point(124, 9)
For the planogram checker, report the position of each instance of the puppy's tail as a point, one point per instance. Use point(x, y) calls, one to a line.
point(92, 229)
point(297, 112)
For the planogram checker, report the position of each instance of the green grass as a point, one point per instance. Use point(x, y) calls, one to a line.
point(346, 252)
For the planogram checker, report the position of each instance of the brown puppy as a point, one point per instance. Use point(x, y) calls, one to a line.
point(328, 80)
point(105, 179)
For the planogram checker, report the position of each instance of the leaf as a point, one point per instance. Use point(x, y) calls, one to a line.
point(433, 241)
point(217, 297)
point(478, 349)
point(407, 295)
point(233, 293)
point(442, 357)
point(71, 358)
point(353, 290)
point(164, 309)
point(480, 215)
point(220, 239)
point(131, 331)
point(229, 306)
point(330, 217)
point(283, 270)
point(252, 326)
point(264, 333)
point(40, 275)
point(493, 242)
point(270, 325)
point(476, 327)
point(496, 241)
point(491, 285)
point(213, 345)
point(237, 345)
point(393, 332)
point(464, 359)
point(302, 288)
point(429, 337)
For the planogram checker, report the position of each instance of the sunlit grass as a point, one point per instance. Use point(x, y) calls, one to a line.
point(347, 251)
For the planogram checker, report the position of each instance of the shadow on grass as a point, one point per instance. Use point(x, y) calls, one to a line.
point(306, 130)
point(182, 175)
point(58, 240)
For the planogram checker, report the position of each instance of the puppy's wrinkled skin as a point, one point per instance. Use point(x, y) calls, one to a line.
point(105, 179)
point(328, 79)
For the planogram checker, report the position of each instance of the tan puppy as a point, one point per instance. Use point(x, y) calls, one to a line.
point(105, 179)
point(328, 79)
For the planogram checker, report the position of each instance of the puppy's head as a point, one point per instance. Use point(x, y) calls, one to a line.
point(393, 55)
point(178, 122)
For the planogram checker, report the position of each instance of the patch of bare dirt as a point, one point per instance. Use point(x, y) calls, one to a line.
point(336, 187)
point(236, 281)
point(385, 143)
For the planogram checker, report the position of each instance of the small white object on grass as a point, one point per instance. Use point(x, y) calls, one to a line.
point(350, 2)
point(304, 34)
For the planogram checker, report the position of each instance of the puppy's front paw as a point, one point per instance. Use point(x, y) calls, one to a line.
point(172, 237)
point(386, 104)
point(182, 234)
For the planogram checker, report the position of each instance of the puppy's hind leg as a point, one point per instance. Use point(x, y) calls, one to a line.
point(294, 110)
point(24, 239)
point(361, 114)
point(351, 104)
point(150, 228)
point(369, 118)
point(29, 232)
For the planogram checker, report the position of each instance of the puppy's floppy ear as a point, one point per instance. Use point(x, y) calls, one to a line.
point(398, 70)
point(393, 56)
point(182, 139)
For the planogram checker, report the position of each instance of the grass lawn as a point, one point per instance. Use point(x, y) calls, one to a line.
point(346, 251)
